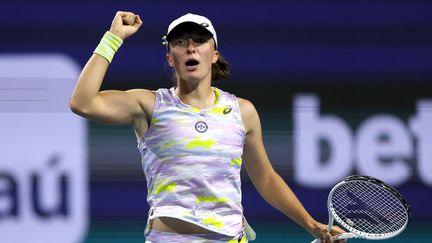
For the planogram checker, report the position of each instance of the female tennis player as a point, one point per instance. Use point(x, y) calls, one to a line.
point(193, 138)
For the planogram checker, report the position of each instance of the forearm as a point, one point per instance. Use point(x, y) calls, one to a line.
point(89, 81)
point(278, 194)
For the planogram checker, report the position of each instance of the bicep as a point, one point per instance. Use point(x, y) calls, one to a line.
point(119, 107)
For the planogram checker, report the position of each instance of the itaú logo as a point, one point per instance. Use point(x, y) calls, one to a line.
point(43, 152)
point(382, 146)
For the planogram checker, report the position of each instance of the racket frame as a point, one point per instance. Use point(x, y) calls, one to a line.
point(354, 232)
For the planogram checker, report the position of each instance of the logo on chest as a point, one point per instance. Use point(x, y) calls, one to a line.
point(201, 127)
point(227, 110)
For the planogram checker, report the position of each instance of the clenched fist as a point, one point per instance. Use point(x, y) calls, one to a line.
point(125, 24)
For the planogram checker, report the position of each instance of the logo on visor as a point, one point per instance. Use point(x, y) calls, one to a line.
point(204, 25)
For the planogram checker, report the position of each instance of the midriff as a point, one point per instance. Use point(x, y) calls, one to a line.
point(167, 224)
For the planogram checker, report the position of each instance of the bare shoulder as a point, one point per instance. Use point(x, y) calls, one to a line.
point(247, 109)
point(142, 93)
point(146, 99)
point(144, 96)
point(248, 113)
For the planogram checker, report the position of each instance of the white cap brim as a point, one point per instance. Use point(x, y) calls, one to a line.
point(201, 21)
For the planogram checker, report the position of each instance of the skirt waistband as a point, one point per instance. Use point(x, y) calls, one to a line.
point(155, 236)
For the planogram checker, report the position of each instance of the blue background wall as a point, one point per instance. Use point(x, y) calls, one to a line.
point(360, 57)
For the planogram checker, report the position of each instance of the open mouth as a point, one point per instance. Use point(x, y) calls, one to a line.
point(191, 62)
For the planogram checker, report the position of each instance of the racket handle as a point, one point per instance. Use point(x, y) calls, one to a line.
point(344, 236)
point(338, 237)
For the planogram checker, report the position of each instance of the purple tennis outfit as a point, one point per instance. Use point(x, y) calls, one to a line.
point(192, 160)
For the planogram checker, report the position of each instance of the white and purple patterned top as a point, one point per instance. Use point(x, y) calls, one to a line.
point(192, 160)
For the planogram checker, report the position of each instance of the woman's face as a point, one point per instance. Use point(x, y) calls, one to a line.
point(192, 56)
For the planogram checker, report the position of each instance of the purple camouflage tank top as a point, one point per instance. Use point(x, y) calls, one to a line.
point(192, 160)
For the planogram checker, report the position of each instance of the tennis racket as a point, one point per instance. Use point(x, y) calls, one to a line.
point(367, 208)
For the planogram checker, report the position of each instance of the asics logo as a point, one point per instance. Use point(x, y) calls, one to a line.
point(227, 110)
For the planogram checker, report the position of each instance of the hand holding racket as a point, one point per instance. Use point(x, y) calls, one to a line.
point(368, 208)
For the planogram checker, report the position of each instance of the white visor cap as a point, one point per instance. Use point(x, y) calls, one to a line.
point(197, 19)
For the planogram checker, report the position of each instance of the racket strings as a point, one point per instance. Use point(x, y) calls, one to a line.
point(364, 212)
point(375, 199)
point(371, 213)
point(369, 208)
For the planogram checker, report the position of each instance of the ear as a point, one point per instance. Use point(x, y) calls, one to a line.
point(215, 57)
point(169, 59)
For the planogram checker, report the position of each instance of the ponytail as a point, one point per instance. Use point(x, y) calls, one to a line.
point(221, 69)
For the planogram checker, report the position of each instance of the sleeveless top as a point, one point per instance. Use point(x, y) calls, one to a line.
point(192, 160)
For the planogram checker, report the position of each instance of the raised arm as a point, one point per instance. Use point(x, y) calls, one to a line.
point(112, 106)
point(268, 183)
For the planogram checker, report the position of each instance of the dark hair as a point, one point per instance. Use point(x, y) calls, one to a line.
point(220, 70)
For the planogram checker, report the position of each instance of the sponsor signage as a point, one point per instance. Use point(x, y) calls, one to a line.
point(43, 152)
point(382, 146)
